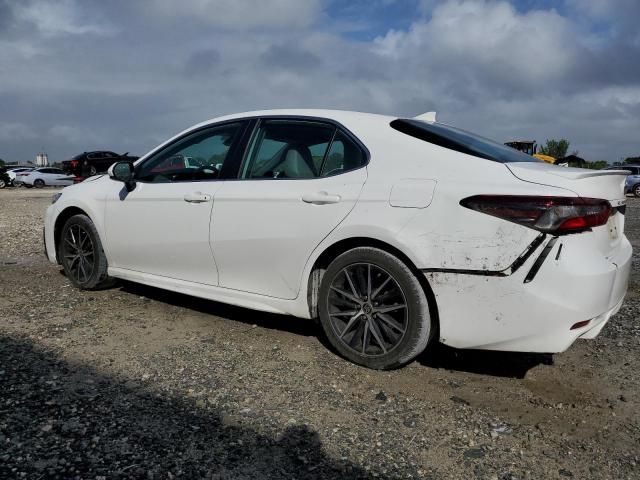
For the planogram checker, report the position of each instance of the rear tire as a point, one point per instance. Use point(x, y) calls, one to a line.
point(2, 183)
point(373, 309)
point(636, 190)
point(38, 183)
point(82, 256)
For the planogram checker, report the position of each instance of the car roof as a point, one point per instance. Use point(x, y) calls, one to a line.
point(340, 116)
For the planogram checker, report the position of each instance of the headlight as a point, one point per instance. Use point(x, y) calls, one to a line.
point(55, 197)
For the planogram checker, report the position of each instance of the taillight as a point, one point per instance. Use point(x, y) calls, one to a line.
point(546, 214)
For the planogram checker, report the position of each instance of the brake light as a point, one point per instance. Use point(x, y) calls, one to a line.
point(546, 214)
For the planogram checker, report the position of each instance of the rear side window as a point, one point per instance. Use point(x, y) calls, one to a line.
point(343, 156)
point(298, 149)
point(461, 141)
point(284, 149)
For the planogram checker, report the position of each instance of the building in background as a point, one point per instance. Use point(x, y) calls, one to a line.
point(42, 160)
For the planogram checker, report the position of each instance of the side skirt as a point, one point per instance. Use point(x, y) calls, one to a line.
point(210, 292)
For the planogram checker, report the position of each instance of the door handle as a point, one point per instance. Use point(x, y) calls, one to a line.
point(197, 197)
point(320, 198)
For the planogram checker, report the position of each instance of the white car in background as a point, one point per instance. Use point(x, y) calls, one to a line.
point(394, 232)
point(14, 172)
point(46, 176)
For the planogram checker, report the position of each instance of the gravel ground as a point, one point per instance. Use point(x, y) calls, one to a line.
point(136, 382)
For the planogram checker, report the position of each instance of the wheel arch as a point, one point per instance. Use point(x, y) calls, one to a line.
point(338, 248)
point(61, 219)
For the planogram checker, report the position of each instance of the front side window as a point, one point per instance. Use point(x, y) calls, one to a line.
point(199, 156)
point(286, 149)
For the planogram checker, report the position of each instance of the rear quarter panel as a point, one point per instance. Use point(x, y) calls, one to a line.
point(442, 234)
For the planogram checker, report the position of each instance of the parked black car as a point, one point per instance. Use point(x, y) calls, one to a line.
point(91, 163)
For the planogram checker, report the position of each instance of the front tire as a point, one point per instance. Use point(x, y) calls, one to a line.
point(373, 309)
point(2, 183)
point(636, 190)
point(82, 256)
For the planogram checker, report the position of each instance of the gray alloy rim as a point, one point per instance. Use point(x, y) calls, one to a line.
point(79, 253)
point(637, 191)
point(367, 309)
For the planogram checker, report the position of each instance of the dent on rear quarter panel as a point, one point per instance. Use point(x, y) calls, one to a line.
point(447, 235)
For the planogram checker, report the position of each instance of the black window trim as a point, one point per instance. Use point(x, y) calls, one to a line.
point(231, 169)
point(308, 119)
point(234, 151)
point(420, 130)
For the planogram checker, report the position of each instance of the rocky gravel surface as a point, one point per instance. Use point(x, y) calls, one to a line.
point(136, 382)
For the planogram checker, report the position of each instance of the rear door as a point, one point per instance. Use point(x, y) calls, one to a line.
point(298, 181)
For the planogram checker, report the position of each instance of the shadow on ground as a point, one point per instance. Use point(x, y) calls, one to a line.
point(483, 362)
point(59, 420)
point(273, 321)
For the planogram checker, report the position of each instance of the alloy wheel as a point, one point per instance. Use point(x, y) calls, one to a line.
point(79, 253)
point(367, 309)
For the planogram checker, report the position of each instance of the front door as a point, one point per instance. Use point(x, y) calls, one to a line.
point(298, 181)
point(162, 226)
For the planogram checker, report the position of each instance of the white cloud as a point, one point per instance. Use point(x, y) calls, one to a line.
point(62, 17)
point(244, 14)
point(483, 39)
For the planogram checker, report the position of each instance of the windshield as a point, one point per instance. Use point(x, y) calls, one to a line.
point(461, 141)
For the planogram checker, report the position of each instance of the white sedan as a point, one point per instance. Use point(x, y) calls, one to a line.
point(14, 172)
point(395, 232)
point(46, 176)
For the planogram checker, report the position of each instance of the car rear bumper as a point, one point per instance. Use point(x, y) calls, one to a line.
point(506, 313)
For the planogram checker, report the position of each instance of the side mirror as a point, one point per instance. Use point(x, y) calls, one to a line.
point(123, 172)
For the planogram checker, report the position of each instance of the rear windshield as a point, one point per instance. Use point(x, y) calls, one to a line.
point(461, 141)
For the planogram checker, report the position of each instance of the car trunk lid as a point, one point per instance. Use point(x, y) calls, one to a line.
point(603, 184)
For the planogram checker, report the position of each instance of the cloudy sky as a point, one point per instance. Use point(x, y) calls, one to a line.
point(123, 75)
